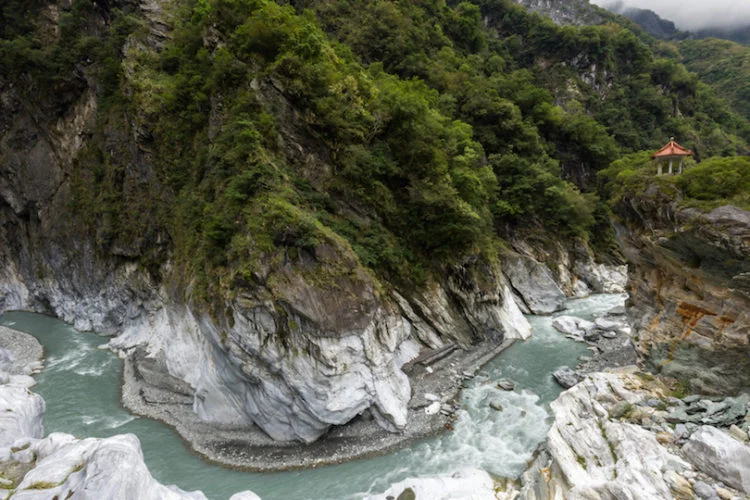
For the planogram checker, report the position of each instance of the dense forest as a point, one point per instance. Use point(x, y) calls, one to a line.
point(433, 130)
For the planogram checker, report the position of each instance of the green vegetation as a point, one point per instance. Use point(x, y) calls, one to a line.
point(714, 182)
point(725, 66)
point(718, 181)
point(408, 134)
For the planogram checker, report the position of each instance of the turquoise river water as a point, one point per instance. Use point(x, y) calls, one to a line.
point(81, 386)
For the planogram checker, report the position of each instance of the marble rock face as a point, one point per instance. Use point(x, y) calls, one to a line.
point(592, 455)
point(720, 456)
point(92, 469)
point(534, 283)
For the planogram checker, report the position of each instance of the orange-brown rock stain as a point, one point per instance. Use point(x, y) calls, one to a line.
point(691, 315)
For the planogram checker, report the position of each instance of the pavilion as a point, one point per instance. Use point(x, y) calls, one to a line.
point(670, 153)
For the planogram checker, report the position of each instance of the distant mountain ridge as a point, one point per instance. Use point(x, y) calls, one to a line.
point(582, 12)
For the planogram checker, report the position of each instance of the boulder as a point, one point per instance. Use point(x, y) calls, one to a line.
point(576, 328)
point(468, 483)
point(505, 384)
point(603, 278)
point(720, 456)
point(566, 377)
point(93, 469)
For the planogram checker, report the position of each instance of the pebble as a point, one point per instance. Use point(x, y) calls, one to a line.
point(609, 335)
point(433, 408)
point(429, 369)
point(691, 399)
point(431, 397)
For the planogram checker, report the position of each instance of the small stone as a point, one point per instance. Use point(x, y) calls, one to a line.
point(664, 437)
point(609, 335)
point(505, 384)
point(429, 369)
point(431, 397)
point(585, 359)
point(672, 401)
point(724, 493)
point(523, 413)
point(433, 408)
point(681, 431)
point(679, 485)
point(653, 402)
point(495, 405)
point(704, 490)
point(694, 398)
point(738, 434)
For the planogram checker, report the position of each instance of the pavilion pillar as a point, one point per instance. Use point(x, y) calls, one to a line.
point(670, 166)
point(659, 172)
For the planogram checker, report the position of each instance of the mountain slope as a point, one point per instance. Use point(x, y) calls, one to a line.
point(282, 204)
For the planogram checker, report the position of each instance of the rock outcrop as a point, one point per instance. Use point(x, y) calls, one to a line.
point(309, 342)
point(534, 284)
point(611, 438)
point(690, 294)
point(591, 455)
point(720, 456)
point(468, 483)
point(33, 467)
point(66, 467)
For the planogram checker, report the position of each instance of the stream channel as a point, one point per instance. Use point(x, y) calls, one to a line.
point(81, 386)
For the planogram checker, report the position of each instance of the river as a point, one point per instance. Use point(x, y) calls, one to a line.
point(81, 386)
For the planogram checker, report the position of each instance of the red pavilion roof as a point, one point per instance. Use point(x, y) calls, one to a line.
point(672, 149)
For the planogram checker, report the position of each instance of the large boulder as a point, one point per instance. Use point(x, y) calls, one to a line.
point(469, 483)
point(603, 278)
point(720, 456)
point(574, 327)
point(21, 414)
point(534, 283)
point(566, 377)
point(93, 469)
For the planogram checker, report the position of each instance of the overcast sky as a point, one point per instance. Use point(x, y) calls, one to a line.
point(695, 14)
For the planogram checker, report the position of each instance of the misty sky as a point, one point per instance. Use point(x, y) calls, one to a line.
point(695, 14)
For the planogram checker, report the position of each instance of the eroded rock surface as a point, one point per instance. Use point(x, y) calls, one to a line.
point(689, 291)
point(719, 455)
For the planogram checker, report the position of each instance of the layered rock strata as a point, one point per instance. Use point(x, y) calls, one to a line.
point(690, 292)
point(611, 439)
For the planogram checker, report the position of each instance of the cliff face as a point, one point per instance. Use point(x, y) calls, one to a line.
point(296, 351)
point(309, 340)
point(566, 13)
point(689, 292)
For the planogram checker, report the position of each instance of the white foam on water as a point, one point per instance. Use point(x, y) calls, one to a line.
point(92, 370)
point(114, 423)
